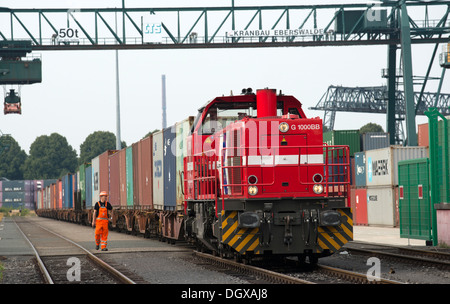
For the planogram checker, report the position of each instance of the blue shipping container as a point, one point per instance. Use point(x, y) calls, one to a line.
point(360, 169)
point(169, 170)
point(67, 189)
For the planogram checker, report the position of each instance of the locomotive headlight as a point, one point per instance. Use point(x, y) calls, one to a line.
point(283, 127)
point(318, 189)
point(252, 190)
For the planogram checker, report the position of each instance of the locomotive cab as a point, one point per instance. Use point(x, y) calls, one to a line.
point(259, 181)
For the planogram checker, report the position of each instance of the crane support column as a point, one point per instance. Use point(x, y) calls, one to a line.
point(392, 79)
point(407, 77)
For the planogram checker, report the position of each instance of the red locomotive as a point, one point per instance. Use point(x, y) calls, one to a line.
point(258, 180)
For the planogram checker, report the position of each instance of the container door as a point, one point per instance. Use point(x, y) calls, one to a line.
point(169, 169)
point(158, 178)
point(361, 207)
point(414, 199)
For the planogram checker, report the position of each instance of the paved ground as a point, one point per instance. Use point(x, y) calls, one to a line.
point(12, 242)
point(383, 235)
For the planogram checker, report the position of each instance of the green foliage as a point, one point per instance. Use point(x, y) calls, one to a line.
point(50, 157)
point(12, 159)
point(150, 133)
point(371, 127)
point(97, 143)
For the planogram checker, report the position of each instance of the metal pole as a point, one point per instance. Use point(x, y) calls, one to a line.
point(407, 77)
point(118, 139)
point(164, 118)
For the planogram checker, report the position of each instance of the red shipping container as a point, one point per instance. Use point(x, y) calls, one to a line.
point(114, 179)
point(353, 202)
point(146, 172)
point(360, 217)
point(104, 172)
point(136, 173)
point(123, 177)
point(59, 186)
point(423, 135)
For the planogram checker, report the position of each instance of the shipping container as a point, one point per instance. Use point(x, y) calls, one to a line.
point(82, 182)
point(114, 180)
point(60, 192)
point(88, 199)
point(67, 187)
point(146, 173)
point(374, 140)
point(17, 197)
point(123, 177)
point(101, 175)
point(16, 185)
point(382, 207)
point(423, 135)
point(360, 210)
point(129, 175)
point(414, 199)
point(182, 132)
point(382, 164)
point(360, 169)
point(158, 175)
point(95, 165)
point(169, 168)
point(350, 138)
point(136, 173)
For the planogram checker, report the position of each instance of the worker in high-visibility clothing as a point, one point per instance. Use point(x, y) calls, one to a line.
point(101, 220)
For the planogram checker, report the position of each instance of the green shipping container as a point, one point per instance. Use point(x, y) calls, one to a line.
point(350, 138)
point(414, 199)
point(129, 168)
point(443, 162)
point(82, 182)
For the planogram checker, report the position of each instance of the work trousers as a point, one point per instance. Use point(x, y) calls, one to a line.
point(101, 232)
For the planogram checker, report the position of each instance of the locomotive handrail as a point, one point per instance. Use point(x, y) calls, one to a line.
point(206, 166)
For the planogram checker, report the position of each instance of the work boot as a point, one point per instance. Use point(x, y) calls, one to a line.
point(97, 247)
point(105, 249)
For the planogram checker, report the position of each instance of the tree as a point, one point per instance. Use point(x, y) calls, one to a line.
point(371, 127)
point(50, 157)
point(150, 133)
point(12, 158)
point(97, 143)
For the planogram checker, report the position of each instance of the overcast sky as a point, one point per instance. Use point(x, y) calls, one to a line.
point(77, 93)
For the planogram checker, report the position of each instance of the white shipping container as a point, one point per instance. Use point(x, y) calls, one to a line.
point(382, 206)
point(158, 172)
point(382, 164)
point(95, 163)
point(183, 129)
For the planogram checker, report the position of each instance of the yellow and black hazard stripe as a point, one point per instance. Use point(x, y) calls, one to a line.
point(333, 238)
point(240, 239)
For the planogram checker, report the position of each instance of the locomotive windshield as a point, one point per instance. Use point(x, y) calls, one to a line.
point(221, 114)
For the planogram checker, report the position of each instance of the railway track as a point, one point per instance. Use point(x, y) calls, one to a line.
point(440, 260)
point(62, 261)
point(277, 277)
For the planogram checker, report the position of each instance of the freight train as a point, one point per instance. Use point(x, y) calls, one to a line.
point(248, 177)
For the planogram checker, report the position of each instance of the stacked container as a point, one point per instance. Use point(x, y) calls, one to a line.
point(374, 140)
point(169, 168)
point(114, 180)
point(17, 194)
point(182, 132)
point(344, 137)
point(101, 176)
point(145, 175)
point(158, 175)
point(382, 182)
